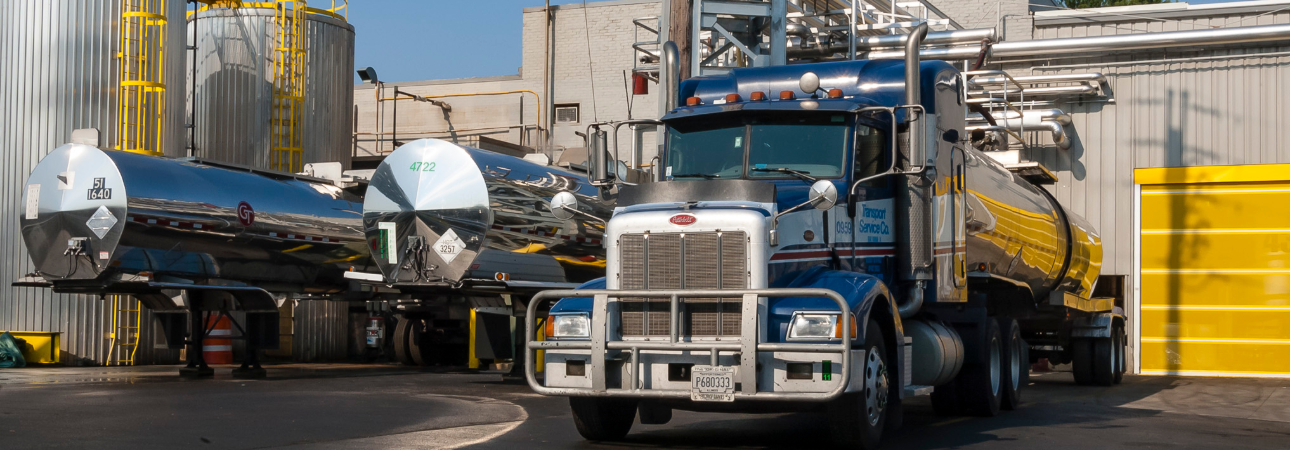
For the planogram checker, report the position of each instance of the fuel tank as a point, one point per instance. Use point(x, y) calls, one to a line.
point(1018, 231)
point(437, 213)
point(92, 215)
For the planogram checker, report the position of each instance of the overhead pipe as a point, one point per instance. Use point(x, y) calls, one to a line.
point(949, 37)
point(1065, 46)
point(1056, 129)
point(1028, 118)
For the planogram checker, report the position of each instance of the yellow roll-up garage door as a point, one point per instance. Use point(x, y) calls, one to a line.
point(1214, 270)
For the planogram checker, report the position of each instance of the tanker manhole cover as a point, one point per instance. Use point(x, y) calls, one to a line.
point(449, 246)
point(101, 222)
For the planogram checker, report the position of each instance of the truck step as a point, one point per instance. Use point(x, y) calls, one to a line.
point(914, 391)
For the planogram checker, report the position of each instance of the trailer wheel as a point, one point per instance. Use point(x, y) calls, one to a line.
point(1082, 360)
point(1106, 359)
point(401, 341)
point(602, 419)
point(418, 343)
point(1014, 367)
point(983, 379)
point(857, 419)
point(1121, 359)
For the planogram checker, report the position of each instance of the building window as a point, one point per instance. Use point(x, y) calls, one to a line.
point(567, 113)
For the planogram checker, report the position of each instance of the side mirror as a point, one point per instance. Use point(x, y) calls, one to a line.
point(563, 205)
point(596, 150)
point(824, 195)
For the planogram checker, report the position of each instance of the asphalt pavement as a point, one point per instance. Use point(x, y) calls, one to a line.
point(381, 406)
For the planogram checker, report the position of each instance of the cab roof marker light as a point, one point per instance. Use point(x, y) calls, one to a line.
point(835, 93)
point(733, 98)
point(786, 95)
point(693, 101)
point(757, 96)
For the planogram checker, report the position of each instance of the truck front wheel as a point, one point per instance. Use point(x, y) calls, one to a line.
point(602, 419)
point(857, 419)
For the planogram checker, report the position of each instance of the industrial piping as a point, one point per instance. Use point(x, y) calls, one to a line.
point(1063, 46)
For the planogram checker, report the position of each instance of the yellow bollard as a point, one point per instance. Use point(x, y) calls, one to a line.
point(471, 361)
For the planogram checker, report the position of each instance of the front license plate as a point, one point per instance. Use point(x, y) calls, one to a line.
point(712, 384)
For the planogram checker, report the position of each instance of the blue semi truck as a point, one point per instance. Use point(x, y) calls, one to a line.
point(822, 237)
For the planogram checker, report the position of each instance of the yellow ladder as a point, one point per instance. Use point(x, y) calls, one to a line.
point(141, 92)
point(288, 86)
point(126, 317)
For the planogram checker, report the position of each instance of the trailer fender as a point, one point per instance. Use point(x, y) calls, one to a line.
point(1095, 326)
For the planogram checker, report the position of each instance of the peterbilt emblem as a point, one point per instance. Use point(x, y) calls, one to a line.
point(245, 214)
point(683, 219)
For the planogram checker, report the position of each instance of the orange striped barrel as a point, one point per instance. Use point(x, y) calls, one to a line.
point(214, 349)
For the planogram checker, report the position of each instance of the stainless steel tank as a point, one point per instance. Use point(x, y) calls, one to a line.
point(1018, 231)
point(233, 96)
point(438, 213)
point(60, 73)
point(91, 217)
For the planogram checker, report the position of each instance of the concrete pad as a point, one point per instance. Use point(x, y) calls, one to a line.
point(1276, 407)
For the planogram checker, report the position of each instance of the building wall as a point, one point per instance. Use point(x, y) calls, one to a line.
point(593, 58)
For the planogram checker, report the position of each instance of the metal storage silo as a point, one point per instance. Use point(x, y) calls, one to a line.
point(114, 65)
point(244, 109)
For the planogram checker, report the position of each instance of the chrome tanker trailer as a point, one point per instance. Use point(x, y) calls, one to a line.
point(198, 237)
point(188, 236)
point(452, 228)
point(823, 237)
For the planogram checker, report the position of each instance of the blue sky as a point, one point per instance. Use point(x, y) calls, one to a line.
point(406, 40)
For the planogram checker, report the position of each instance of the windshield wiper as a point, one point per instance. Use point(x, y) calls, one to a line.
point(804, 175)
point(706, 176)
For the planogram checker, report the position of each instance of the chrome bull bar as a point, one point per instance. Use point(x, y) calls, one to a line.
point(747, 347)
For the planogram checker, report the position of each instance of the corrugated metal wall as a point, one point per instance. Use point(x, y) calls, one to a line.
point(59, 73)
point(321, 331)
point(1215, 106)
point(234, 87)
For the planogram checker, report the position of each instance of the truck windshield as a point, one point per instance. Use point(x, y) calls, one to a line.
point(813, 146)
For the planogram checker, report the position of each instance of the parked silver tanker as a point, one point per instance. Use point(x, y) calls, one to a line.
point(94, 219)
point(441, 230)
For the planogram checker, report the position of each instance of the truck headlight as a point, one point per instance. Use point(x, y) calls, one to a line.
point(807, 325)
point(568, 326)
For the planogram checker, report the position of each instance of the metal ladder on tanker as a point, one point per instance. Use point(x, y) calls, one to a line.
point(127, 315)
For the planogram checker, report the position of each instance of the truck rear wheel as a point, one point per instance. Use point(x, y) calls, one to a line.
point(857, 419)
point(1082, 360)
point(1015, 366)
point(401, 335)
point(982, 381)
point(602, 419)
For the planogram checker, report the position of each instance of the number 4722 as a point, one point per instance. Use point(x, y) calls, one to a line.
point(427, 166)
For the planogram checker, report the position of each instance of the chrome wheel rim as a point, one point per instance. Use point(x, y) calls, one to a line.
point(875, 386)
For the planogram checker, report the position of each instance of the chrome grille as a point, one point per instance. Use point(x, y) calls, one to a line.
point(708, 260)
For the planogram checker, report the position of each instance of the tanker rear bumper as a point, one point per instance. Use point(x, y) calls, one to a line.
point(632, 357)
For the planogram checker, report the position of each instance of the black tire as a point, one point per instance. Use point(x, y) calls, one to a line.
point(401, 341)
point(1105, 360)
point(857, 419)
point(1013, 366)
point(602, 419)
point(981, 386)
point(419, 344)
point(1082, 360)
point(1121, 356)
